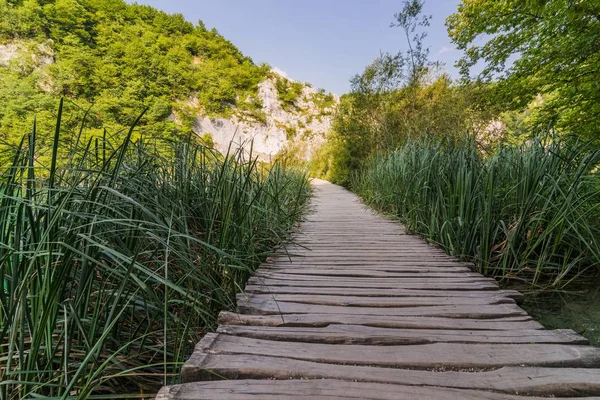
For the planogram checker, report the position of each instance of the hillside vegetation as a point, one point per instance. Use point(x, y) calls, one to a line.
point(120, 58)
point(115, 59)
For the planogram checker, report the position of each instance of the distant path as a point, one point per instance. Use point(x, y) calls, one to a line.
point(358, 309)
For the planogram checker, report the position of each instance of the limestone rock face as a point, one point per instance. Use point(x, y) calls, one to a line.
point(27, 54)
point(8, 52)
point(303, 125)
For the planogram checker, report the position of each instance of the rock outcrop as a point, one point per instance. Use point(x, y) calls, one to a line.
point(28, 54)
point(302, 125)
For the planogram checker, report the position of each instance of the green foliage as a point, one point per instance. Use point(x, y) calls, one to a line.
point(291, 132)
point(288, 93)
point(324, 102)
point(410, 20)
point(117, 255)
point(371, 123)
point(526, 212)
point(207, 140)
point(536, 47)
point(396, 98)
point(120, 58)
point(333, 160)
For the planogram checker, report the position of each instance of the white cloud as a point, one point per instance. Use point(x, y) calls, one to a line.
point(279, 71)
point(445, 50)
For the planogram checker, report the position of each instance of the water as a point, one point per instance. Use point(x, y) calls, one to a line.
point(577, 311)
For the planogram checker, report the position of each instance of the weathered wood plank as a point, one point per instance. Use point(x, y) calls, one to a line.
point(360, 334)
point(347, 253)
point(351, 273)
point(440, 269)
point(398, 264)
point(319, 320)
point(513, 294)
point(366, 279)
point(424, 356)
point(357, 301)
point(381, 284)
point(512, 380)
point(365, 258)
point(449, 311)
point(325, 389)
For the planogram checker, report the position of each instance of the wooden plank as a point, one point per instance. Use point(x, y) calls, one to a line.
point(399, 264)
point(375, 279)
point(385, 284)
point(367, 258)
point(373, 276)
point(449, 311)
point(446, 355)
point(330, 249)
point(325, 389)
point(364, 267)
point(292, 272)
point(357, 301)
point(330, 252)
point(360, 334)
point(361, 246)
point(513, 294)
point(513, 380)
point(318, 320)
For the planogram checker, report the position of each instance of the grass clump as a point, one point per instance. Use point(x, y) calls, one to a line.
point(288, 93)
point(526, 212)
point(116, 256)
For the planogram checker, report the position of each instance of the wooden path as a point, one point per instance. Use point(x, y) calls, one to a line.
point(357, 309)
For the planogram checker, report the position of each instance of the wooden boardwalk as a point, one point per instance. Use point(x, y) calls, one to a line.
point(357, 309)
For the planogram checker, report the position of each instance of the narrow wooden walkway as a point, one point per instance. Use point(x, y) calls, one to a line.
point(357, 309)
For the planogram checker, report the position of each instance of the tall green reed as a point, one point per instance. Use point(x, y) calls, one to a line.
point(115, 259)
point(527, 212)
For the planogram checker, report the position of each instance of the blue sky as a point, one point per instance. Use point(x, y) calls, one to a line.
point(324, 42)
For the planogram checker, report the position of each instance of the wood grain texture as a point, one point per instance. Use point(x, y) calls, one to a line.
point(319, 320)
point(424, 356)
point(512, 380)
point(449, 311)
point(361, 334)
point(359, 292)
point(327, 389)
point(362, 301)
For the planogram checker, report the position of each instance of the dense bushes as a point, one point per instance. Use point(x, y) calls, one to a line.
point(529, 212)
point(288, 92)
point(116, 256)
point(369, 122)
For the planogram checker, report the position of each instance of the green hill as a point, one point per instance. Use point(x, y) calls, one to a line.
point(117, 58)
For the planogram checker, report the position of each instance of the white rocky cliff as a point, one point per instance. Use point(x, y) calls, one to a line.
point(303, 125)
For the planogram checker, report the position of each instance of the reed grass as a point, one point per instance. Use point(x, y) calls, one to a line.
point(529, 212)
point(115, 258)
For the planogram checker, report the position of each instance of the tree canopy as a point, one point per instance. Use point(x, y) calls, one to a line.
point(118, 58)
point(536, 47)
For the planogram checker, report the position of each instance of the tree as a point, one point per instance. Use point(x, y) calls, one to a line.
point(536, 47)
point(410, 20)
